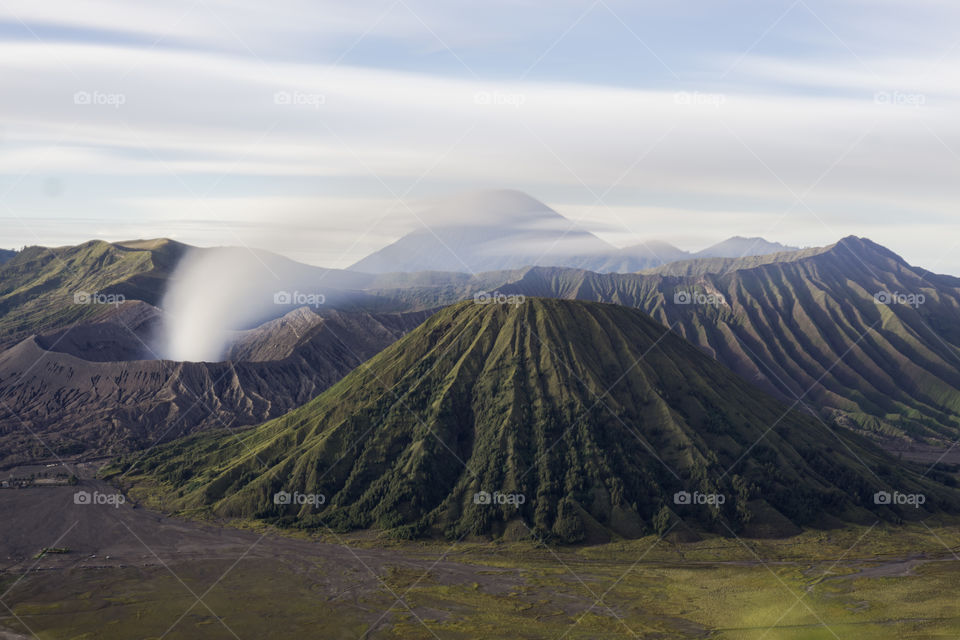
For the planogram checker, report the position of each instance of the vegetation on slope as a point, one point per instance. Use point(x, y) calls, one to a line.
point(594, 414)
point(38, 286)
point(809, 325)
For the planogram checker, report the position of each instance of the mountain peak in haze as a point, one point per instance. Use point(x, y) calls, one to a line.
point(486, 231)
point(503, 229)
point(486, 207)
point(740, 246)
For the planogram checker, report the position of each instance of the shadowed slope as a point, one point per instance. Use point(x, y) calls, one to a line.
point(815, 325)
point(82, 390)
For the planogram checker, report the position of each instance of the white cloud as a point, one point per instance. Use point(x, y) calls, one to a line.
point(217, 116)
point(233, 24)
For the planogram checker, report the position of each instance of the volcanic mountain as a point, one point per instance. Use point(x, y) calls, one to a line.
point(506, 229)
point(851, 329)
point(494, 230)
point(45, 289)
point(809, 326)
point(39, 284)
point(95, 388)
point(557, 419)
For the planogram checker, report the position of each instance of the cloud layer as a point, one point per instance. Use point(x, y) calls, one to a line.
point(229, 130)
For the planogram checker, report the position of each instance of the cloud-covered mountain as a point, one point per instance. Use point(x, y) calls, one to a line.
point(498, 230)
point(494, 230)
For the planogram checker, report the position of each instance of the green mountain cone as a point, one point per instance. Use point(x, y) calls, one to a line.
point(559, 419)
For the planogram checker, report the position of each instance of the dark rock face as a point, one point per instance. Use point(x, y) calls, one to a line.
point(81, 390)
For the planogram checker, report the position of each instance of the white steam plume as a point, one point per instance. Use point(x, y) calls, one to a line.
point(214, 292)
point(211, 293)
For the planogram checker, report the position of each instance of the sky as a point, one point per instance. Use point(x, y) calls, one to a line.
point(314, 128)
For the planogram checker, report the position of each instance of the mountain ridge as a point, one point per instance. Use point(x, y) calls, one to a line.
point(69, 389)
point(788, 324)
point(740, 246)
point(508, 229)
point(592, 415)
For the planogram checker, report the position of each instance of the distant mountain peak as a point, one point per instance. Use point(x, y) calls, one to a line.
point(502, 229)
point(859, 243)
point(741, 246)
point(486, 231)
point(503, 202)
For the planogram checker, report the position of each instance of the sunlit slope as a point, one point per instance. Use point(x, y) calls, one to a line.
point(38, 286)
point(595, 414)
point(809, 325)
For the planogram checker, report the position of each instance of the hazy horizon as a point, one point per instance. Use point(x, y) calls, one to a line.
point(428, 215)
point(313, 131)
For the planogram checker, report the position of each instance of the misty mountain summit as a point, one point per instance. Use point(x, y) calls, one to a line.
point(486, 231)
point(506, 229)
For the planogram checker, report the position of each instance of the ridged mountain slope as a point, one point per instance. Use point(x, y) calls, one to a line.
point(595, 414)
point(62, 394)
point(815, 325)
